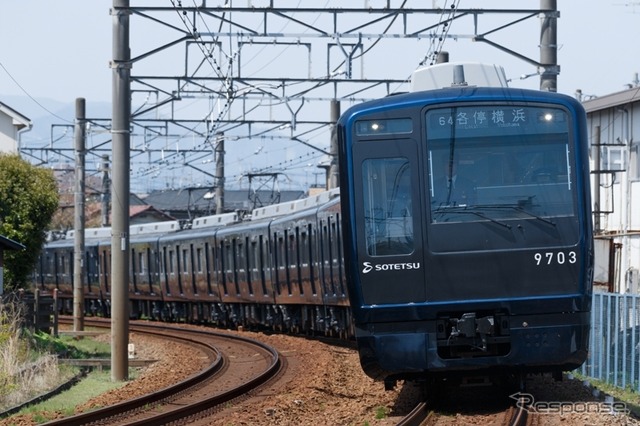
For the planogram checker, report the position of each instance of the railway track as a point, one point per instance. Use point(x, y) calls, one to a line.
point(462, 406)
point(422, 415)
point(244, 365)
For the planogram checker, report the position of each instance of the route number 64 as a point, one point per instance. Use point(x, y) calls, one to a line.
point(560, 258)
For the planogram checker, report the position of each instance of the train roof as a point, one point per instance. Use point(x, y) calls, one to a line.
point(260, 217)
point(215, 220)
point(155, 227)
point(458, 94)
point(295, 206)
point(104, 233)
point(452, 74)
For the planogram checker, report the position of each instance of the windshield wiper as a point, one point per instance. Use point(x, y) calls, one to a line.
point(465, 209)
point(484, 216)
point(518, 208)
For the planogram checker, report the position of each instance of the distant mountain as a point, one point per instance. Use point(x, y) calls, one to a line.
point(50, 117)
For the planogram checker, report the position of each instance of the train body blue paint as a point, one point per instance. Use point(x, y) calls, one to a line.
point(467, 232)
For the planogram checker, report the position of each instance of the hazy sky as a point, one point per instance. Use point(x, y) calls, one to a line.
point(60, 49)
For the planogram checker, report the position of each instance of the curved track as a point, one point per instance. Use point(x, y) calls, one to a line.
point(422, 415)
point(199, 394)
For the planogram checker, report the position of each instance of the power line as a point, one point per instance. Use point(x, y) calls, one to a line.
point(31, 97)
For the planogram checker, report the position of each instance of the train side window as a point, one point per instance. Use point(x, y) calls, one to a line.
point(231, 265)
point(192, 271)
point(179, 267)
point(261, 265)
point(199, 259)
point(207, 266)
point(293, 259)
point(165, 266)
point(185, 263)
point(280, 262)
point(151, 269)
point(134, 262)
point(134, 271)
point(339, 255)
point(248, 263)
point(223, 256)
point(308, 257)
point(106, 263)
point(62, 264)
point(50, 266)
point(142, 267)
point(388, 206)
point(171, 261)
point(327, 269)
point(238, 271)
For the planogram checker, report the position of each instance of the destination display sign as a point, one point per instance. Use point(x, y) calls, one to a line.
point(494, 120)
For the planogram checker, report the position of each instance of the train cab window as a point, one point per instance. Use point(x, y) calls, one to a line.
point(499, 162)
point(387, 206)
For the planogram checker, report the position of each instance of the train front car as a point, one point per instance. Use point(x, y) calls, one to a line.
point(467, 232)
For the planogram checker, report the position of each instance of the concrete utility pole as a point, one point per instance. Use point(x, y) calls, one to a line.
point(549, 46)
point(121, 97)
point(219, 151)
point(78, 221)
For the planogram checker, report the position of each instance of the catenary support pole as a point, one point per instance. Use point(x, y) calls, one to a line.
point(549, 46)
point(219, 151)
point(105, 197)
point(78, 219)
point(334, 170)
point(121, 91)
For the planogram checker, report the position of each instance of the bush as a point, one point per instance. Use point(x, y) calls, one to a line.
point(25, 371)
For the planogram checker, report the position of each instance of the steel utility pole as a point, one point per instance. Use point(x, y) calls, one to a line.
point(334, 171)
point(219, 150)
point(105, 197)
point(121, 114)
point(78, 221)
point(549, 46)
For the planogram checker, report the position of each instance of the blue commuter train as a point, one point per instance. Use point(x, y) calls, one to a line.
point(467, 231)
point(461, 243)
point(280, 267)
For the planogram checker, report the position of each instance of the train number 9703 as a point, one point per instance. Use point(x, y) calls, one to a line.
point(560, 258)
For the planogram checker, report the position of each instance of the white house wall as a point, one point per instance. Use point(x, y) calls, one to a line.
point(8, 135)
point(619, 189)
point(11, 124)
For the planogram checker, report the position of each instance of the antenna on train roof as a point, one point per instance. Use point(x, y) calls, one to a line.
point(458, 76)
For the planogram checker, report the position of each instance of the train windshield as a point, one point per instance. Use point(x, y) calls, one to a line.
point(498, 162)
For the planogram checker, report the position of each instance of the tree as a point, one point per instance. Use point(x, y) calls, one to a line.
point(28, 199)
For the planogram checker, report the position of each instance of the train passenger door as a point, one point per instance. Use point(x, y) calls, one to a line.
point(387, 221)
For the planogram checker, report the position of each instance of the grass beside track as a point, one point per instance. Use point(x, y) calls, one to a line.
point(96, 383)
